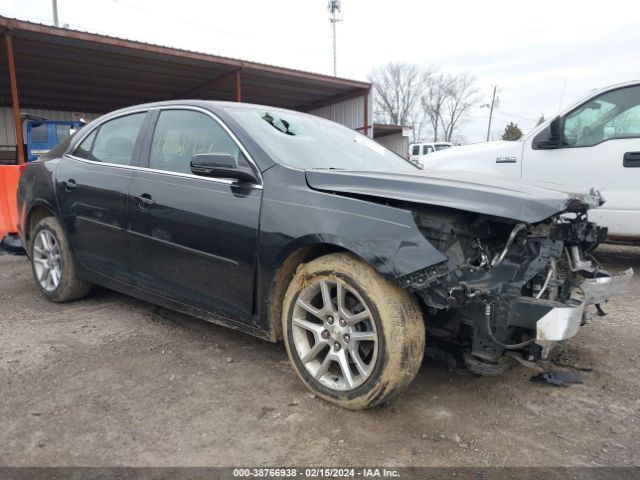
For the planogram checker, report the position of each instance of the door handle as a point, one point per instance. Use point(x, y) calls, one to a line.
point(144, 200)
point(631, 160)
point(69, 185)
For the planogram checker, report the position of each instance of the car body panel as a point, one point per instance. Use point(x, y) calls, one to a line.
point(94, 213)
point(499, 158)
point(197, 242)
point(468, 192)
point(386, 236)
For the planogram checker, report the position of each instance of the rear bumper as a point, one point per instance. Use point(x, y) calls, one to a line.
point(561, 323)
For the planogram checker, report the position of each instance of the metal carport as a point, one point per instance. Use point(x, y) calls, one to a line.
point(68, 70)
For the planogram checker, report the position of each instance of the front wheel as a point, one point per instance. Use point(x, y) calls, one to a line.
point(353, 338)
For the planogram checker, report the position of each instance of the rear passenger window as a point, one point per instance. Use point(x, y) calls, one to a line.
point(84, 149)
point(180, 134)
point(416, 150)
point(113, 141)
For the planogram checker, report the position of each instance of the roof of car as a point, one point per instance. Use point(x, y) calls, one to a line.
point(207, 104)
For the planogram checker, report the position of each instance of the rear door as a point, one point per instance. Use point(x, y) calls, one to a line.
point(92, 185)
point(194, 238)
point(600, 149)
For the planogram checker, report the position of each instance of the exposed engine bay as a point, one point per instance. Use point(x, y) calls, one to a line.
point(509, 287)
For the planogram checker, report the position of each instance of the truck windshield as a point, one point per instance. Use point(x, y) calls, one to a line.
point(442, 147)
point(305, 141)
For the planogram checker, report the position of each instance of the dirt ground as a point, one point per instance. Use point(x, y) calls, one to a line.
point(115, 381)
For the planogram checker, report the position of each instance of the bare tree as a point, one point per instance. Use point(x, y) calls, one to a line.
point(398, 88)
point(405, 94)
point(461, 96)
point(433, 101)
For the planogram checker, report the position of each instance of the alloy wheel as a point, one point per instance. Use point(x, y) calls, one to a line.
point(46, 260)
point(334, 334)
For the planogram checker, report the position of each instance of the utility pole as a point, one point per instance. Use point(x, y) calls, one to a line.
point(55, 12)
point(493, 101)
point(334, 17)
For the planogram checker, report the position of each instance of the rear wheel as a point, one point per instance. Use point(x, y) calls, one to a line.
point(352, 337)
point(52, 263)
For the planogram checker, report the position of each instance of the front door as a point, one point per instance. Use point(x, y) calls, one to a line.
point(600, 148)
point(193, 238)
point(93, 182)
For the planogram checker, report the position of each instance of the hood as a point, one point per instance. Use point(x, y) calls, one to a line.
point(482, 155)
point(490, 195)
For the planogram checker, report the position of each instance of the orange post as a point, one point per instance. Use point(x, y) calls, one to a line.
point(10, 174)
point(15, 104)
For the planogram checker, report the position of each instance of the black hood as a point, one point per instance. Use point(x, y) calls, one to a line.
point(496, 196)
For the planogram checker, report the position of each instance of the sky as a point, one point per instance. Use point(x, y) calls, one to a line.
point(542, 55)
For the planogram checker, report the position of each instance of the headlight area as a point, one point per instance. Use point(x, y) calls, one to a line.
point(508, 286)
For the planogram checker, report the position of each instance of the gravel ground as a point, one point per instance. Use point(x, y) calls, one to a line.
point(111, 380)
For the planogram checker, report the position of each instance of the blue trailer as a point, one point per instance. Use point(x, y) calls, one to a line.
point(43, 135)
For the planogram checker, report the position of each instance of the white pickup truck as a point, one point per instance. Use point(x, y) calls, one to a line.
point(595, 143)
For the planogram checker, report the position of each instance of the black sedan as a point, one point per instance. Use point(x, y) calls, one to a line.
point(291, 227)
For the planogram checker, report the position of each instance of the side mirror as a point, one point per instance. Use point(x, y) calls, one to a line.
point(220, 165)
point(551, 136)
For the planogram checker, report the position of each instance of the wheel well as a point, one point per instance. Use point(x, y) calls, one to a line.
point(36, 214)
point(283, 277)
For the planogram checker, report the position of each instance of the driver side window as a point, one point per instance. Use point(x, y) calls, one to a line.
point(614, 114)
point(180, 134)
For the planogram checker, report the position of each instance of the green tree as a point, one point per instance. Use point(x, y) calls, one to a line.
point(512, 132)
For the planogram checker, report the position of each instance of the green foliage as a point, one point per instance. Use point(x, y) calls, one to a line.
point(512, 132)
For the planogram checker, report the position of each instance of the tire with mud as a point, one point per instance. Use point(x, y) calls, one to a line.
point(353, 338)
point(53, 265)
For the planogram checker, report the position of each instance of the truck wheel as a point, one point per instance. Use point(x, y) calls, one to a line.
point(352, 337)
point(53, 265)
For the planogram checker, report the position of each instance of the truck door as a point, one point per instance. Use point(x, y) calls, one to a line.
point(599, 147)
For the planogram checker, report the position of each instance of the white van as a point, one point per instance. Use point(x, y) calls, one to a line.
point(594, 143)
point(416, 150)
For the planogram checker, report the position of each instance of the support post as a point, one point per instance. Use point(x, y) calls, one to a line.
point(15, 104)
point(366, 113)
point(493, 101)
point(238, 87)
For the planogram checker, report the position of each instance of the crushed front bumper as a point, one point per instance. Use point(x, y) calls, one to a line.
point(599, 290)
point(563, 322)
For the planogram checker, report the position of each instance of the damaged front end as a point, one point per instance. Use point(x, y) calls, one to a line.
point(510, 286)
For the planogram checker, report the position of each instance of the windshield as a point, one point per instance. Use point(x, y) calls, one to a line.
point(442, 147)
point(306, 142)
